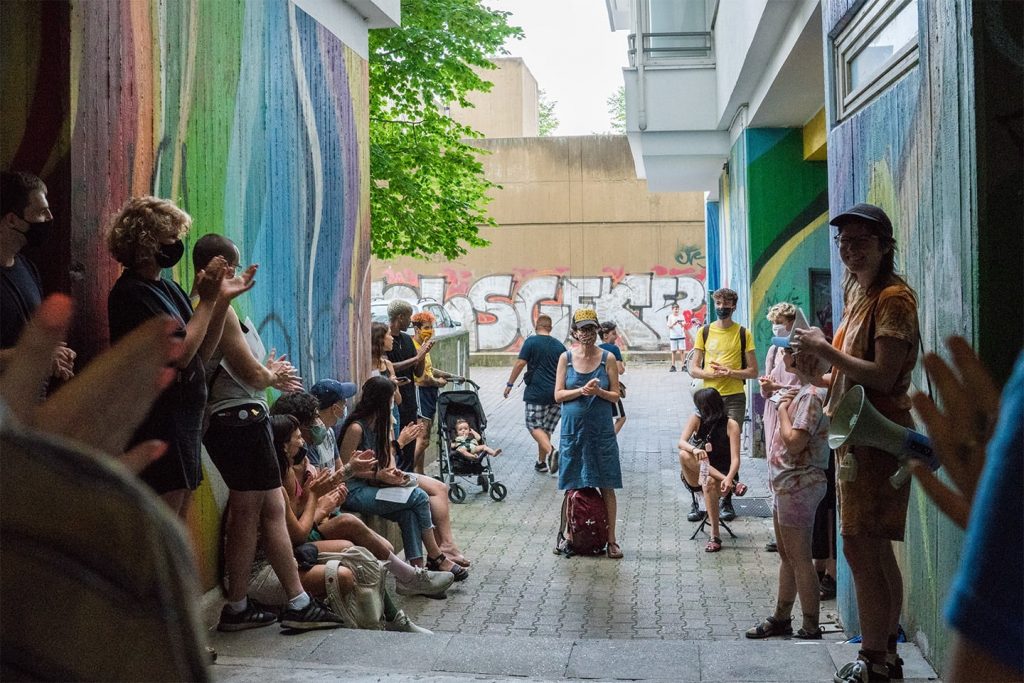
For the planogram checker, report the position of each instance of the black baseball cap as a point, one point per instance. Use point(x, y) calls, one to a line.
point(865, 212)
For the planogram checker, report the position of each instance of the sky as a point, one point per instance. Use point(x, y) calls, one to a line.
point(574, 55)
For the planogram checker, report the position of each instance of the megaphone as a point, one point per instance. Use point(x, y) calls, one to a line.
point(857, 422)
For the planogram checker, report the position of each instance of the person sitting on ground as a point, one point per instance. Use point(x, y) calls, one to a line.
point(609, 333)
point(428, 385)
point(337, 525)
point(368, 428)
point(311, 499)
point(239, 442)
point(797, 459)
point(332, 407)
point(468, 444)
point(710, 434)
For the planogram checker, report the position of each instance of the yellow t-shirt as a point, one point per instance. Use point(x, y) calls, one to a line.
point(723, 347)
point(428, 367)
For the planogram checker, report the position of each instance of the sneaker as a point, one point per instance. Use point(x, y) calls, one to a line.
point(540, 467)
point(771, 547)
point(696, 514)
point(728, 513)
point(315, 615)
point(671, 368)
point(426, 583)
point(403, 624)
point(253, 616)
point(827, 587)
point(553, 461)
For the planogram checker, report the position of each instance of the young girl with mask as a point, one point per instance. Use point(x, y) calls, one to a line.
point(145, 238)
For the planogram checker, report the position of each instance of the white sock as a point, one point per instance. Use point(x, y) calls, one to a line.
point(239, 606)
point(300, 601)
point(402, 570)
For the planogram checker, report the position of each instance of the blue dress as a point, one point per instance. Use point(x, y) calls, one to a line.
point(588, 451)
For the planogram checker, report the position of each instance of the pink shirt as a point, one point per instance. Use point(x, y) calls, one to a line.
point(778, 373)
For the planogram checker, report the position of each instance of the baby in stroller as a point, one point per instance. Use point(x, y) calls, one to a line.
point(467, 442)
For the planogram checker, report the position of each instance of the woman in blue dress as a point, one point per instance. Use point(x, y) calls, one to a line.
point(587, 386)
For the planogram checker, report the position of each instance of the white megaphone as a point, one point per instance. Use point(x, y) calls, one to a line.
point(856, 421)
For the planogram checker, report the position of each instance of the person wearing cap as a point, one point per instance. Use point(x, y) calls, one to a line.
point(25, 220)
point(609, 333)
point(240, 443)
point(331, 409)
point(587, 386)
point(875, 347)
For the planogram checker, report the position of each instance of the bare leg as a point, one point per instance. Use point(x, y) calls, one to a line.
point(611, 508)
point(422, 442)
point(787, 582)
point(243, 519)
point(440, 513)
point(277, 543)
point(313, 581)
point(351, 528)
point(619, 421)
point(433, 550)
point(689, 468)
point(712, 493)
point(543, 440)
point(797, 554)
point(878, 585)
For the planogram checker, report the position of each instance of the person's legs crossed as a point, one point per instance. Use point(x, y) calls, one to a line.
point(350, 528)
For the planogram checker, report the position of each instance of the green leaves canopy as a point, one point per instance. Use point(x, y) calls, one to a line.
point(428, 194)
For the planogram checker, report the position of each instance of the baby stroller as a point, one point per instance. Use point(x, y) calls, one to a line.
point(463, 404)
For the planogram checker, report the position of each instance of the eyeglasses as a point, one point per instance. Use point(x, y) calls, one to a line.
point(853, 242)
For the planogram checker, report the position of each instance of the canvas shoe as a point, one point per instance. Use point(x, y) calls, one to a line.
point(403, 624)
point(540, 467)
point(426, 583)
point(553, 461)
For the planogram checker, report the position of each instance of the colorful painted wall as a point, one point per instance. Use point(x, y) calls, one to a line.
point(249, 114)
point(933, 149)
point(773, 237)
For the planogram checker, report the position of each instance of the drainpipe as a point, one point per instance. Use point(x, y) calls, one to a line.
point(640, 73)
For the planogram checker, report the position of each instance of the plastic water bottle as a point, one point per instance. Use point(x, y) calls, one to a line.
point(703, 478)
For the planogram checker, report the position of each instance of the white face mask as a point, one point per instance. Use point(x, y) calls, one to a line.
point(778, 330)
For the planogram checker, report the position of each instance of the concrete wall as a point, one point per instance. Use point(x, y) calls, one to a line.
point(577, 229)
point(510, 108)
point(250, 115)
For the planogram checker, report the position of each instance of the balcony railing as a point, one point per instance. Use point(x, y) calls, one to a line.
point(672, 48)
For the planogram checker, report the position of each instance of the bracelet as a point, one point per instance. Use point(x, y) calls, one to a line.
point(509, 384)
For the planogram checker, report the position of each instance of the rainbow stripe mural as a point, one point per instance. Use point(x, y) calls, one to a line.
point(249, 114)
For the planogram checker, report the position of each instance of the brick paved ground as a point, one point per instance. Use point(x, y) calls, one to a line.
point(666, 587)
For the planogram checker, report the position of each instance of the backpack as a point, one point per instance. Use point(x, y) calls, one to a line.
point(363, 607)
point(584, 526)
point(704, 332)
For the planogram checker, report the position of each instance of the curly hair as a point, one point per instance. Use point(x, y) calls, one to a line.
point(301, 405)
point(423, 318)
point(780, 311)
point(136, 231)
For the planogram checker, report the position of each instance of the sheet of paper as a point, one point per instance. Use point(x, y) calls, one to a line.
point(395, 494)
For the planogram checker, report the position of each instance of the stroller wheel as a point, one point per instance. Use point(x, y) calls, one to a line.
point(481, 481)
point(456, 493)
point(498, 491)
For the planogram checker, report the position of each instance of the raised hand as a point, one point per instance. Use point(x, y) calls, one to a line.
point(960, 431)
point(209, 279)
point(324, 482)
point(286, 376)
point(233, 287)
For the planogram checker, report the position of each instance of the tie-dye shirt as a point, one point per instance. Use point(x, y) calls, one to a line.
point(791, 472)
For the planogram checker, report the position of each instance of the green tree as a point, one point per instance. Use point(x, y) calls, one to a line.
point(547, 122)
point(428, 194)
point(617, 110)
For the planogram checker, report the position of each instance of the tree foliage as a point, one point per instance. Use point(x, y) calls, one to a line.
point(547, 122)
point(617, 110)
point(428, 194)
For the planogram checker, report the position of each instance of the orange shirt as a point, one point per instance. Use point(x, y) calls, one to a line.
point(889, 312)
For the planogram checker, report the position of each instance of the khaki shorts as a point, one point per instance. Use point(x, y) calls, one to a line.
point(869, 505)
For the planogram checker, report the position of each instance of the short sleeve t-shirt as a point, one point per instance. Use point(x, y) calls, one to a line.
point(404, 349)
point(890, 312)
point(787, 469)
point(612, 349)
point(676, 326)
point(723, 347)
point(541, 353)
point(20, 296)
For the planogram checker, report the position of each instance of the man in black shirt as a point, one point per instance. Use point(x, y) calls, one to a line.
point(24, 219)
point(408, 361)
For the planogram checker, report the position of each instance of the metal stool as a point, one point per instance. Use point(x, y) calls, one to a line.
point(704, 521)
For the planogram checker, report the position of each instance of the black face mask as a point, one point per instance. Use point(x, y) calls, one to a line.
point(35, 234)
point(724, 312)
point(169, 254)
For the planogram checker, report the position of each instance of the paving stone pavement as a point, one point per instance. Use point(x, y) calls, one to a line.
point(668, 611)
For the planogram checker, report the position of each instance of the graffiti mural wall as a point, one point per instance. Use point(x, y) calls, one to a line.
point(499, 310)
point(249, 114)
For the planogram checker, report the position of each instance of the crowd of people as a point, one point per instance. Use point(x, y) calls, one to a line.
point(186, 371)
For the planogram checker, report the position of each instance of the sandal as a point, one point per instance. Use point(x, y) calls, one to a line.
point(772, 627)
point(614, 554)
point(457, 558)
point(801, 634)
point(434, 565)
point(740, 489)
point(714, 545)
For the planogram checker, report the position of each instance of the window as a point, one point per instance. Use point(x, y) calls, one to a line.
point(671, 30)
point(873, 50)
